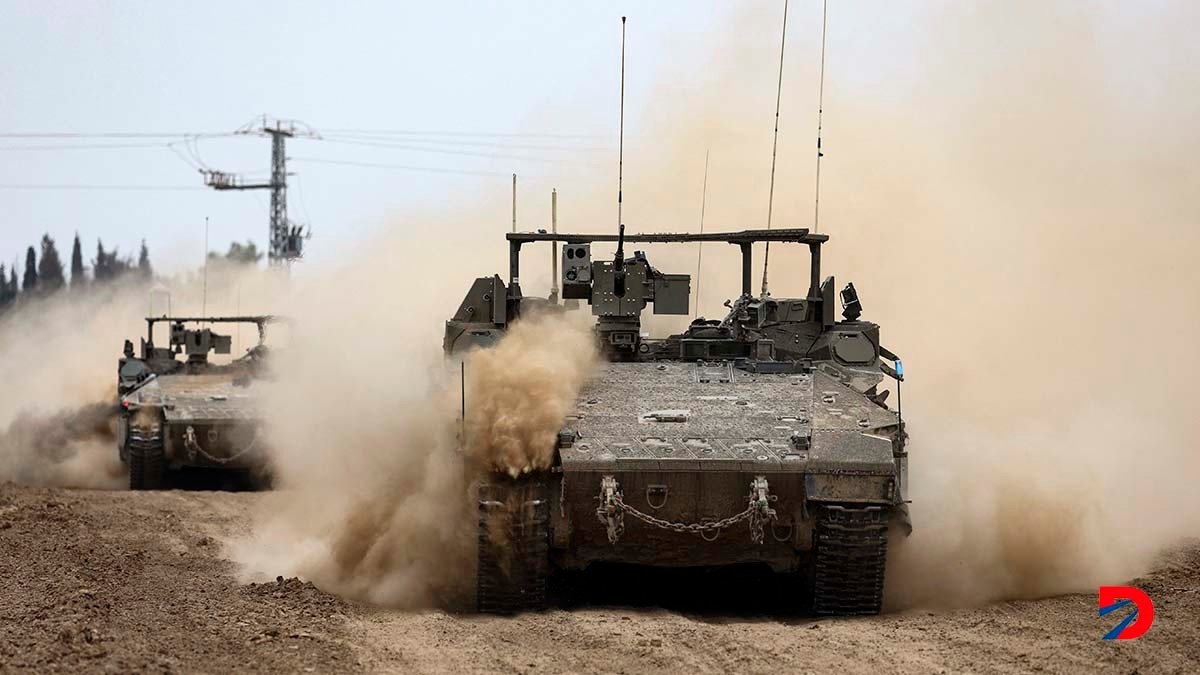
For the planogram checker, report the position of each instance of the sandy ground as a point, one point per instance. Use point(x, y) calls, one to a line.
point(120, 581)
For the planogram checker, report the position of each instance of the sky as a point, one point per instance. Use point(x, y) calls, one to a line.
point(476, 90)
point(474, 71)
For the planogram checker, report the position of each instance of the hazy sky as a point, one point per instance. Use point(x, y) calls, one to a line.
point(487, 68)
point(481, 90)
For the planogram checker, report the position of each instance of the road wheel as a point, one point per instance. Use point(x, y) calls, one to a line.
point(514, 545)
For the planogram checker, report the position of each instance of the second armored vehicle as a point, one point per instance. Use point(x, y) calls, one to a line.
point(190, 413)
point(761, 437)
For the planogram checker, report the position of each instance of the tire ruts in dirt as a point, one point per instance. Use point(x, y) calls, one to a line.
point(851, 553)
point(514, 546)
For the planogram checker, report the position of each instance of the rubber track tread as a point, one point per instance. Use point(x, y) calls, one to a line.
point(145, 461)
point(512, 575)
point(851, 553)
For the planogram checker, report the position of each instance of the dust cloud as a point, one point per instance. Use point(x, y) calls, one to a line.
point(1012, 190)
point(58, 363)
point(373, 498)
point(993, 194)
point(66, 448)
point(521, 391)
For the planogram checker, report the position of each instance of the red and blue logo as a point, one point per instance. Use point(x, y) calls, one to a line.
point(1137, 622)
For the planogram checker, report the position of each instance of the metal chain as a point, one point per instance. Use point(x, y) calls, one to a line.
point(684, 528)
point(189, 442)
point(613, 509)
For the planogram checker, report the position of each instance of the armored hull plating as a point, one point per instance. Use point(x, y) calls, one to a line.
point(203, 421)
point(763, 437)
point(684, 441)
point(179, 414)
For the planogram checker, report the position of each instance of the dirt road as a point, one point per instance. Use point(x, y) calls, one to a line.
point(120, 582)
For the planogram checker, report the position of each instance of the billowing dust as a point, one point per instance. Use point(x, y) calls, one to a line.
point(1026, 244)
point(373, 500)
point(68, 448)
point(521, 391)
point(58, 363)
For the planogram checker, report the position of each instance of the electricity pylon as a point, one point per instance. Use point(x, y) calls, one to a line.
point(286, 238)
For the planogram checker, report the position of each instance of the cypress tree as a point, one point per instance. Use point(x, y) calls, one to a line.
point(30, 282)
point(78, 276)
point(144, 262)
point(50, 269)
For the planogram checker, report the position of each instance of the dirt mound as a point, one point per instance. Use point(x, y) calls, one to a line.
point(130, 582)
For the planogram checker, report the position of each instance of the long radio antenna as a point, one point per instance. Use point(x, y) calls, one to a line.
point(700, 246)
point(621, 131)
point(204, 293)
point(619, 258)
point(820, 109)
point(554, 246)
point(775, 145)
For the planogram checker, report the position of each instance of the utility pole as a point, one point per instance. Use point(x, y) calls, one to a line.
point(285, 239)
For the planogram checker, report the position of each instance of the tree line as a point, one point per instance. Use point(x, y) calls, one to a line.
point(45, 274)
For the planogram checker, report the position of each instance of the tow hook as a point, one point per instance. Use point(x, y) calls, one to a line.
point(610, 512)
point(760, 507)
point(189, 442)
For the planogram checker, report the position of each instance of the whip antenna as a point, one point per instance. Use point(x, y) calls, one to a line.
point(204, 293)
point(554, 246)
point(621, 129)
point(775, 146)
point(619, 259)
point(820, 107)
point(700, 246)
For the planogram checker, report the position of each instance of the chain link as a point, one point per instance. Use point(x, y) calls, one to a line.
point(684, 528)
point(193, 447)
point(757, 512)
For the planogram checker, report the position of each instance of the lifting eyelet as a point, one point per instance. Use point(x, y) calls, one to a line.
point(655, 490)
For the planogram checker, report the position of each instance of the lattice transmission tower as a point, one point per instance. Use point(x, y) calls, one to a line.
point(286, 240)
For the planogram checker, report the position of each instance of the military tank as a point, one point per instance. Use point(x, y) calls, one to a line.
point(761, 437)
point(189, 412)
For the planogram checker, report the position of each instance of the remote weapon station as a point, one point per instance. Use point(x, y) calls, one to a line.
point(189, 413)
point(762, 437)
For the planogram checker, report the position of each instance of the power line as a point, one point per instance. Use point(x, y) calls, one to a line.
point(190, 162)
point(286, 239)
point(85, 146)
point(467, 143)
point(303, 204)
point(107, 134)
point(481, 134)
point(443, 151)
point(400, 167)
point(50, 186)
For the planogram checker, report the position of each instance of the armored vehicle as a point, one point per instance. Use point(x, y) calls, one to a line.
point(188, 412)
point(761, 437)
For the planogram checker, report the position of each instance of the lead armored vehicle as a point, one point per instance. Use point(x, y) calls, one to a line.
point(188, 412)
point(761, 437)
